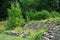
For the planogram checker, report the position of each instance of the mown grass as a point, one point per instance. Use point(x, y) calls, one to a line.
point(8, 37)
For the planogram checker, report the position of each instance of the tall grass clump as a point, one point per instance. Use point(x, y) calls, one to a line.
point(38, 34)
point(15, 16)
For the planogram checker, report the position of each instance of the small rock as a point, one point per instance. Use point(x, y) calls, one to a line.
point(50, 37)
point(12, 33)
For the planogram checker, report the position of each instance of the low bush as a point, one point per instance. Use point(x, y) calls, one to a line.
point(34, 15)
point(44, 14)
point(55, 14)
point(39, 15)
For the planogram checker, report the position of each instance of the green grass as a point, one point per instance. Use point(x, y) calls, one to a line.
point(38, 34)
point(8, 37)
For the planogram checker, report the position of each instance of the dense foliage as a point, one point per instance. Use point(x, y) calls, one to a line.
point(28, 10)
point(15, 16)
point(38, 5)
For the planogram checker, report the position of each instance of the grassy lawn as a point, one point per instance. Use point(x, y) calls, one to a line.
point(8, 37)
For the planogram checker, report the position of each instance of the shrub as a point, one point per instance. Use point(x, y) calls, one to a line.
point(34, 15)
point(30, 14)
point(55, 14)
point(15, 16)
point(44, 14)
